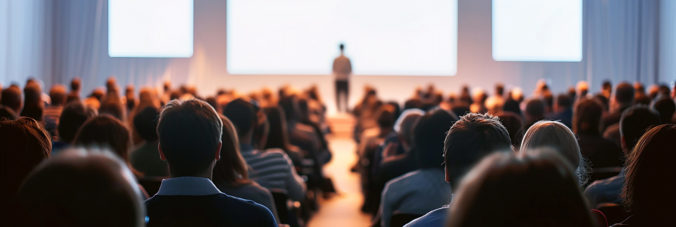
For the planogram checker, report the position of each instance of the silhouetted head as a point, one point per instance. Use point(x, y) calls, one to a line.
point(469, 140)
point(587, 116)
point(190, 137)
point(105, 131)
point(145, 123)
point(635, 121)
point(242, 114)
point(32, 103)
point(81, 188)
point(11, 97)
point(624, 94)
point(665, 106)
point(428, 137)
point(529, 189)
point(230, 169)
point(341, 46)
point(73, 115)
point(24, 145)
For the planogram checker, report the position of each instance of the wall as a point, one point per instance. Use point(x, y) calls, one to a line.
point(619, 43)
point(667, 43)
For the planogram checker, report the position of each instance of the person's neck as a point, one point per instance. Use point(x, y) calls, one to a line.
point(205, 174)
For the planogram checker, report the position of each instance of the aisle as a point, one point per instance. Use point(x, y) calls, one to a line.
point(342, 209)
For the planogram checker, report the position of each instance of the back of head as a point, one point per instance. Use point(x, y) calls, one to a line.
point(537, 189)
point(535, 109)
point(386, 117)
point(607, 85)
point(651, 177)
point(105, 131)
point(587, 116)
point(112, 105)
point(428, 137)
point(665, 106)
point(11, 97)
point(190, 135)
point(73, 115)
point(58, 95)
point(406, 123)
point(564, 101)
point(635, 121)
point(24, 145)
point(32, 105)
point(145, 123)
point(79, 188)
point(75, 84)
point(624, 93)
point(278, 137)
point(499, 89)
point(469, 140)
point(554, 135)
point(514, 124)
point(242, 115)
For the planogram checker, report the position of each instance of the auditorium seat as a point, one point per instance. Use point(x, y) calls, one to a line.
point(400, 219)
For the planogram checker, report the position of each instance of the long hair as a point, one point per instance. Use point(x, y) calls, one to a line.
point(278, 136)
point(230, 169)
point(651, 177)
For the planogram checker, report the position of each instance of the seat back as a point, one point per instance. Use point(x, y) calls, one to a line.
point(150, 184)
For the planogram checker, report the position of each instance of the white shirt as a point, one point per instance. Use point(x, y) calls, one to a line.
point(342, 68)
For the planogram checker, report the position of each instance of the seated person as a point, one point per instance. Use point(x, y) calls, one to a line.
point(230, 173)
point(146, 158)
point(529, 189)
point(271, 168)
point(57, 95)
point(73, 115)
point(557, 136)
point(634, 123)
point(190, 141)
point(651, 179)
point(600, 152)
point(422, 190)
point(81, 188)
point(469, 140)
point(24, 144)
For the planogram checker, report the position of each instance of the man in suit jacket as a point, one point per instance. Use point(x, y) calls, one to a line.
point(190, 141)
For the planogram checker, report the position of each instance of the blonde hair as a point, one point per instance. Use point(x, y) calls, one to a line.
point(555, 135)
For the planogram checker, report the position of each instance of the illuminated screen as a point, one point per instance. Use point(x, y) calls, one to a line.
point(381, 37)
point(537, 30)
point(150, 28)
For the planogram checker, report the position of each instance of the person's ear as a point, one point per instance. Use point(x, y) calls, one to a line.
point(218, 152)
point(159, 149)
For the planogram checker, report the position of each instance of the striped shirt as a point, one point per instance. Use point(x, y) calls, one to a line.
point(273, 170)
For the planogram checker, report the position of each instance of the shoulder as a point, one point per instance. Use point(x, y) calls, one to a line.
point(401, 181)
point(436, 217)
point(249, 210)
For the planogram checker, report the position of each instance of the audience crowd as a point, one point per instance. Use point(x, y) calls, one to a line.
point(175, 158)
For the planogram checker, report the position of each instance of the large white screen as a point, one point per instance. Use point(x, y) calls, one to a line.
point(150, 28)
point(382, 37)
point(537, 30)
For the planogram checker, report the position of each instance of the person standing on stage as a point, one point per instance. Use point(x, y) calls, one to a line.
point(342, 68)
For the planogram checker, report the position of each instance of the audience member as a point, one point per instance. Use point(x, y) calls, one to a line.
point(81, 188)
point(623, 99)
point(231, 175)
point(190, 140)
point(279, 137)
point(534, 112)
point(650, 179)
point(57, 95)
point(586, 125)
point(469, 140)
point(73, 115)
point(7, 113)
point(74, 94)
point(501, 191)
point(563, 110)
point(400, 194)
point(666, 107)
point(24, 145)
point(634, 123)
point(146, 158)
point(32, 102)
point(11, 98)
point(559, 137)
point(271, 168)
point(514, 125)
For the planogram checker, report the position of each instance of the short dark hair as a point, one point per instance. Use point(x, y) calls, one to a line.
point(32, 103)
point(341, 46)
point(624, 93)
point(428, 137)
point(607, 85)
point(112, 105)
point(666, 107)
point(536, 108)
point(514, 125)
point(189, 134)
point(11, 97)
point(75, 84)
point(78, 188)
point(106, 131)
point(242, 115)
point(499, 89)
point(73, 115)
point(145, 123)
point(470, 139)
point(564, 100)
point(587, 116)
point(635, 121)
